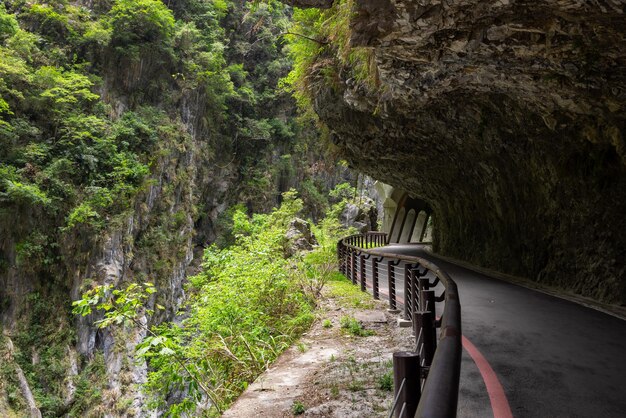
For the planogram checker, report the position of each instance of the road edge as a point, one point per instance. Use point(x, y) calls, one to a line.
point(618, 312)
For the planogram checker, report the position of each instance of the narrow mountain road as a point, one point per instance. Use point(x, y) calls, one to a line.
point(552, 357)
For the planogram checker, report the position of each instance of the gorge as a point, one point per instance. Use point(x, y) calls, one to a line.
point(132, 131)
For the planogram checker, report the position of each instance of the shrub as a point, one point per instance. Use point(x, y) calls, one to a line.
point(83, 214)
point(136, 22)
point(8, 23)
point(23, 193)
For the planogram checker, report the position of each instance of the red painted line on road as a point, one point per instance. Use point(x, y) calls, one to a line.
point(499, 403)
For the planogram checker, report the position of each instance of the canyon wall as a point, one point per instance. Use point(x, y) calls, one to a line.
point(508, 117)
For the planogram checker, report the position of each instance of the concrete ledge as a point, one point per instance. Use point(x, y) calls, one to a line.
point(404, 323)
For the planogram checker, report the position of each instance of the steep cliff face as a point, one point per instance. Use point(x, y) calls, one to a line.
point(128, 129)
point(508, 117)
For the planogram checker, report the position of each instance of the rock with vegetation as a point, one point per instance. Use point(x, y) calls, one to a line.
point(129, 131)
point(507, 117)
point(361, 215)
point(249, 302)
point(299, 237)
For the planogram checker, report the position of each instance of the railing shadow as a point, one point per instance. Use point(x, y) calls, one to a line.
point(426, 380)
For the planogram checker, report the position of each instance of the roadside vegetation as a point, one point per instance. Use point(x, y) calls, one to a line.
point(249, 303)
point(134, 119)
point(320, 47)
point(118, 120)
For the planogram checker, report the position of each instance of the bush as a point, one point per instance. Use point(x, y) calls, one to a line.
point(8, 23)
point(28, 194)
point(83, 214)
point(135, 22)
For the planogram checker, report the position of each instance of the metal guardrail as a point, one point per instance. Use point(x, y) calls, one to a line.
point(426, 380)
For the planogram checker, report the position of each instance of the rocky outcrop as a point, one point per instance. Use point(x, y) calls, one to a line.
point(362, 215)
point(299, 237)
point(508, 117)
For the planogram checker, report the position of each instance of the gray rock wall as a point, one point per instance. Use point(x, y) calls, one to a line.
point(508, 117)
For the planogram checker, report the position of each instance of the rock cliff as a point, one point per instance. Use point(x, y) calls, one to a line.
point(128, 129)
point(507, 116)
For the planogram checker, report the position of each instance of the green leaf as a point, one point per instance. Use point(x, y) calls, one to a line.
point(166, 351)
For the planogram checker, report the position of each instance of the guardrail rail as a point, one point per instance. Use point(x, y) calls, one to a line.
point(426, 380)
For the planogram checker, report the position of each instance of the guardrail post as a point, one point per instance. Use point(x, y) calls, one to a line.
point(391, 276)
point(430, 307)
point(408, 297)
point(339, 255)
point(423, 285)
point(406, 367)
point(363, 277)
point(375, 290)
point(346, 260)
point(353, 266)
point(425, 322)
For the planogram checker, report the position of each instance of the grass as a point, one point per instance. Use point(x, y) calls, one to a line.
point(356, 386)
point(354, 327)
point(385, 382)
point(298, 408)
point(347, 294)
point(327, 324)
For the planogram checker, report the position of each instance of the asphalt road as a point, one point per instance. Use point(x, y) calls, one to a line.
point(553, 358)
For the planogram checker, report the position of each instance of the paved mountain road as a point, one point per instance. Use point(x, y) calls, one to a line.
point(553, 358)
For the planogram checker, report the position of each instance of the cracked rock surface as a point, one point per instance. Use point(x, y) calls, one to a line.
point(508, 117)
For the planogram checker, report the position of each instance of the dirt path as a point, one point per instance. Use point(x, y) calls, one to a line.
point(331, 372)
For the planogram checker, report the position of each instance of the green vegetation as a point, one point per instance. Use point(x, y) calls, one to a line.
point(65, 161)
point(348, 294)
point(89, 388)
point(354, 327)
point(298, 408)
point(385, 382)
point(76, 163)
point(248, 304)
point(47, 337)
point(319, 45)
point(126, 128)
point(136, 22)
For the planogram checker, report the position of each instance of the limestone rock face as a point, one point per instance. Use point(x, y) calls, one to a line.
point(299, 237)
point(363, 216)
point(508, 117)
